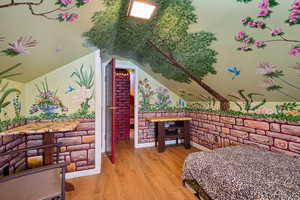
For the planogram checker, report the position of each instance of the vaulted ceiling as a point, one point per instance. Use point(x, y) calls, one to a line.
point(62, 42)
point(58, 43)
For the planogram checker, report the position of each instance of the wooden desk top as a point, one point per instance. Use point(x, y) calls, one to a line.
point(169, 119)
point(42, 127)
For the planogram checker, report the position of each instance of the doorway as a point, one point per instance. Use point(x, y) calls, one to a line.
point(122, 92)
point(125, 92)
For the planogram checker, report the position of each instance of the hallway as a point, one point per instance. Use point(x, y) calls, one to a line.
point(140, 174)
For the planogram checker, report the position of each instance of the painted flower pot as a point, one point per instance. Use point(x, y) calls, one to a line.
point(49, 109)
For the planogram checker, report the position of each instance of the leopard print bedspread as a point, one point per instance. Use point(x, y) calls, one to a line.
point(244, 173)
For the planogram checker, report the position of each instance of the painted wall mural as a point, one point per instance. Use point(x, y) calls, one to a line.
point(59, 13)
point(85, 93)
point(277, 34)
point(72, 96)
point(47, 100)
point(65, 95)
point(246, 102)
point(9, 95)
point(154, 98)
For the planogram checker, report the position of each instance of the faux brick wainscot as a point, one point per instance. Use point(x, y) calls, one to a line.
point(15, 162)
point(146, 129)
point(78, 148)
point(216, 131)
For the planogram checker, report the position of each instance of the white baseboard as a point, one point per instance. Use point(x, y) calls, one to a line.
point(152, 144)
point(198, 146)
point(82, 173)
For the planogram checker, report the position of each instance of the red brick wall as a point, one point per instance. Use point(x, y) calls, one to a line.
point(215, 131)
point(123, 104)
point(78, 148)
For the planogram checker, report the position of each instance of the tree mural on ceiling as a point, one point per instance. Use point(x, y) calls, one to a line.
point(58, 13)
point(277, 34)
point(162, 42)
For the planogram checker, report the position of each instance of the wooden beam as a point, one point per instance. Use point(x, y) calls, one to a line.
point(224, 103)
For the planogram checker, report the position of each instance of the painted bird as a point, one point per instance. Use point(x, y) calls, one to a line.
point(70, 89)
point(235, 71)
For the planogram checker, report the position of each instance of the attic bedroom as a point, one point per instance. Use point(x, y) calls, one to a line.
point(150, 99)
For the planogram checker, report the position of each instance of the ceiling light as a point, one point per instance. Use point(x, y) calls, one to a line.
point(143, 9)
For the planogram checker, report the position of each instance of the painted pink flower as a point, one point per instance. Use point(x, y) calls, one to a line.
point(66, 2)
point(245, 48)
point(293, 18)
point(277, 31)
point(294, 52)
point(263, 13)
point(73, 17)
point(240, 35)
point(65, 15)
point(295, 12)
point(86, 1)
point(294, 15)
point(296, 4)
point(260, 24)
point(266, 69)
point(22, 45)
point(252, 24)
point(269, 84)
point(260, 44)
point(244, 20)
point(247, 41)
point(264, 4)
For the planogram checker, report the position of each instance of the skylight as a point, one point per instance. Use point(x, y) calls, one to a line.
point(141, 9)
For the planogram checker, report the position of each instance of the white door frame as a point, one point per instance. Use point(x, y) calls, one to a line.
point(136, 103)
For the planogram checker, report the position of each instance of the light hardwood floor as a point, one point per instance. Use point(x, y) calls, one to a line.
point(139, 174)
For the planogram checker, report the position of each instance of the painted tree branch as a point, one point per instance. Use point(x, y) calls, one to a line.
point(283, 39)
point(280, 40)
point(225, 105)
point(44, 14)
point(31, 6)
point(13, 3)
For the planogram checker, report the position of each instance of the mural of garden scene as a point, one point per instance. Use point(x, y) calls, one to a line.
point(66, 102)
point(275, 81)
point(248, 69)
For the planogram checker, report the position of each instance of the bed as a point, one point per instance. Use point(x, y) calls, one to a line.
point(242, 173)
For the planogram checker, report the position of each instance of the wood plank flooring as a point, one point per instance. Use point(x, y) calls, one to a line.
point(139, 174)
